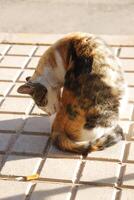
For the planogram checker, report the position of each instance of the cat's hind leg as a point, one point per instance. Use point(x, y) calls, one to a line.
point(108, 139)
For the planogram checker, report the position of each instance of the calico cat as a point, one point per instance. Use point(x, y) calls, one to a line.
point(93, 86)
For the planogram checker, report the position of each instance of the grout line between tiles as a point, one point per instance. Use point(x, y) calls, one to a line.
point(40, 166)
point(12, 142)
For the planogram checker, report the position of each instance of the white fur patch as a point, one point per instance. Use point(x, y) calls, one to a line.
point(59, 71)
point(93, 134)
point(52, 79)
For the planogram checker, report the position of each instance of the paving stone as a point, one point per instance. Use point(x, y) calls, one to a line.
point(41, 50)
point(38, 111)
point(17, 105)
point(14, 92)
point(112, 153)
point(10, 122)
point(115, 50)
point(1, 100)
point(131, 94)
point(131, 131)
point(21, 50)
point(128, 64)
point(87, 192)
point(100, 172)
point(33, 62)
point(20, 165)
point(131, 152)
point(128, 178)
point(26, 73)
point(127, 115)
point(4, 140)
point(129, 78)
point(1, 156)
point(46, 191)
point(64, 168)
point(4, 87)
point(10, 190)
point(127, 194)
point(8, 74)
point(36, 124)
point(127, 52)
point(55, 152)
point(30, 144)
point(126, 126)
point(3, 48)
point(13, 61)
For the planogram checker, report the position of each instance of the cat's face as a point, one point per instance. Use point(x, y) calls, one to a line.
point(44, 99)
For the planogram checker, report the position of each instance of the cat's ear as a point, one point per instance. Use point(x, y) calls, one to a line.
point(25, 89)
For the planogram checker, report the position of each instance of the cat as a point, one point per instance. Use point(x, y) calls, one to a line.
point(87, 110)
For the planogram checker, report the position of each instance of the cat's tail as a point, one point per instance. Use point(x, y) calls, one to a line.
point(63, 142)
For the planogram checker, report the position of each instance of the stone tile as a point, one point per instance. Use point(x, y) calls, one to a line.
point(127, 115)
point(129, 78)
point(3, 48)
point(64, 168)
point(37, 124)
point(33, 62)
point(126, 126)
point(12, 190)
point(16, 105)
point(30, 144)
point(127, 52)
point(13, 61)
point(37, 111)
point(20, 165)
point(10, 122)
point(131, 94)
point(8, 74)
point(1, 157)
point(100, 172)
point(131, 131)
point(115, 50)
point(96, 193)
point(131, 152)
point(128, 178)
point(4, 87)
point(4, 140)
point(26, 73)
point(112, 153)
point(55, 152)
point(127, 194)
point(41, 50)
point(14, 92)
point(46, 191)
point(21, 50)
point(128, 64)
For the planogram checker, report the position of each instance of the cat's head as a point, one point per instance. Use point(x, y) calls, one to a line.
point(45, 99)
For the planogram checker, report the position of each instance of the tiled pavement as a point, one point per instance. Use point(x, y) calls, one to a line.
point(25, 147)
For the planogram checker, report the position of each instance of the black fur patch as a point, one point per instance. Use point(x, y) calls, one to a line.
point(82, 64)
point(72, 112)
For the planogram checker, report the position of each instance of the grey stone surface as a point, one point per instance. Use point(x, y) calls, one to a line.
point(60, 16)
point(12, 190)
point(46, 191)
point(4, 140)
point(20, 165)
point(96, 193)
point(30, 144)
